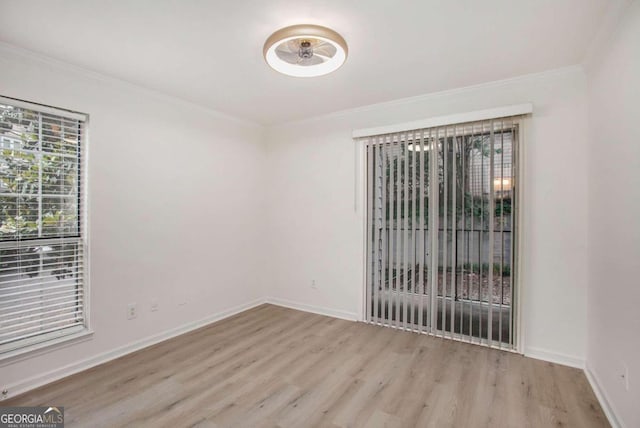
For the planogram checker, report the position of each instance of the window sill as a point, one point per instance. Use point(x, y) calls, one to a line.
point(44, 347)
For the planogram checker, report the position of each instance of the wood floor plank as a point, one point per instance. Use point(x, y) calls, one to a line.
point(276, 367)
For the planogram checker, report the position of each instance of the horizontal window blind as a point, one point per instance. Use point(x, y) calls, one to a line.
point(42, 246)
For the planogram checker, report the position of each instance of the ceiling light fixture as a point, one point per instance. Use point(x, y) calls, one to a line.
point(305, 50)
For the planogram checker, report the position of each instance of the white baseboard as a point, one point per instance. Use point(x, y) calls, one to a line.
point(335, 313)
point(602, 398)
point(568, 360)
point(554, 357)
point(78, 366)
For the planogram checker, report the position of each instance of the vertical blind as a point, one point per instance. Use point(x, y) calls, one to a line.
point(42, 247)
point(441, 222)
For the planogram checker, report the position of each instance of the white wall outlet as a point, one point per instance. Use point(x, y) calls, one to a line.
point(154, 306)
point(313, 284)
point(132, 311)
point(182, 302)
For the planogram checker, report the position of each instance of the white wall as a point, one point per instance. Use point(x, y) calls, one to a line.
point(309, 230)
point(316, 234)
point(614, 213)
point(175, 193)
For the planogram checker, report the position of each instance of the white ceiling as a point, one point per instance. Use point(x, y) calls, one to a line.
point(210, 52)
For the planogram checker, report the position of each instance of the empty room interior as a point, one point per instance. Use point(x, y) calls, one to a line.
point(320, 213)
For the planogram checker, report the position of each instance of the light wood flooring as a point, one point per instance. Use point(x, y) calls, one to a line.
point(272, 366)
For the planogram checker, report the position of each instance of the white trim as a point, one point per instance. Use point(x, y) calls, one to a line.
point(519, 288)
point(47, 342)
point(362, 177)
point(50, 342)
point(86, 212)
point(537, 353)
point(79, 366)
point(554, 357)
point(87, 363)
point(335, 313)
point(43, 108)
point(602, 398)
point(532, 77)
point(103, 78)
point(492, 113)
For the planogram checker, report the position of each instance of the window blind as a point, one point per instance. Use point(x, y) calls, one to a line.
point(441, 230)
point(42, 228)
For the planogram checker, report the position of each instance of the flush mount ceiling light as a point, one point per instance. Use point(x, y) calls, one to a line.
point(305, 50)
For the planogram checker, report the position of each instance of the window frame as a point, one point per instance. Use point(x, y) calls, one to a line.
point(47, 342)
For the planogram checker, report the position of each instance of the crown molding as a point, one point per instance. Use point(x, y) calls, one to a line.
point(531, 77)
point(25, 54)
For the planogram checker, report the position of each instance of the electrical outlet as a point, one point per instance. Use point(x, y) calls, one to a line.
point(313, 284)
point(182, 302)
point(132, 311)
point(154, 305)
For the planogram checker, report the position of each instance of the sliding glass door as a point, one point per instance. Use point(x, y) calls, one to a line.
point(441, 230)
